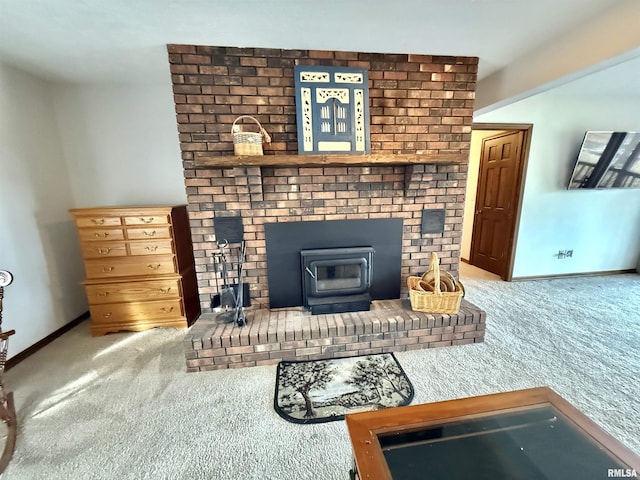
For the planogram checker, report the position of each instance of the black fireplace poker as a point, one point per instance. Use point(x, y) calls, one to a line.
point(239, 316)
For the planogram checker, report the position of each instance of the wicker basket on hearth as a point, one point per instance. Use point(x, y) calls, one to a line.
point(426, 293)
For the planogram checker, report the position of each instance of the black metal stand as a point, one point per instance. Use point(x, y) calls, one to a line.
point(228, 262)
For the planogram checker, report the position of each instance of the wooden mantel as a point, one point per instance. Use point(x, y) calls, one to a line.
point(292, 160)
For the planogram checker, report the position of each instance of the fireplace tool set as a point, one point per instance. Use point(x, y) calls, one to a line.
point(7, 408)
point(229, 263)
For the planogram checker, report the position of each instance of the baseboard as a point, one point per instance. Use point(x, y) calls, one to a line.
point(571, 275)
point(464, 260)
point(13, 361)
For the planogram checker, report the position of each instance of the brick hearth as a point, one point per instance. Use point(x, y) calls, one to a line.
point(293, 334)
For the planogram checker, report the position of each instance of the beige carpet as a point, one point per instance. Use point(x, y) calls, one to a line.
point(122, 406)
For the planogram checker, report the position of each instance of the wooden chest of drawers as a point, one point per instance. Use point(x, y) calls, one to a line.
point(139, 267)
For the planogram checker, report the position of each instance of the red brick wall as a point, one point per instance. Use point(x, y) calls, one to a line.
point(418, 103)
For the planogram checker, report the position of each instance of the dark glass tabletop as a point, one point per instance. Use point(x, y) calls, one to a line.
point(532, 443)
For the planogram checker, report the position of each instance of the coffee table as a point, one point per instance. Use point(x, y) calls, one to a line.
point(526, 434)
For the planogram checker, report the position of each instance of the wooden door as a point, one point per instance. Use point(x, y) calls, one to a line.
point(496, 200)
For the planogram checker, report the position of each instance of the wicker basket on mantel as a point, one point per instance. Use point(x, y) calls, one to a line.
point(248, 143)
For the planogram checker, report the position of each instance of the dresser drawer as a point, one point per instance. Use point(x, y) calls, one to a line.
point(130, 266)
point(133, 291)
point(96, 234)
point(129, 312)
point(104, 249)
point(98, 221)
point(158, 247)
point(147, 220)
point(148, 233)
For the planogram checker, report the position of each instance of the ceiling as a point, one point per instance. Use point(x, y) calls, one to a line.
point(124, 41)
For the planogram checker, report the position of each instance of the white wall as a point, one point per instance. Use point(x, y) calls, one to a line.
point(68, 146)
point(120, 143)
point(37, 239)
point(602, 227)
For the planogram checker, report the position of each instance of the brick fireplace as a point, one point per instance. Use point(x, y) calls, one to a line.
point(421, 110)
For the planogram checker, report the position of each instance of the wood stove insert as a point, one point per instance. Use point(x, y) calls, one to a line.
point(336, 280)
point(285, 241)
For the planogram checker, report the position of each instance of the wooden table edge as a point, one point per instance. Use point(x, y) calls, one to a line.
point(365, 427)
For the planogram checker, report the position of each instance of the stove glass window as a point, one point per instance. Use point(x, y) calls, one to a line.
point(338, 277)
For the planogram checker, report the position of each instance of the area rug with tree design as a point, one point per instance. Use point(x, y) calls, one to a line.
point(317, 391)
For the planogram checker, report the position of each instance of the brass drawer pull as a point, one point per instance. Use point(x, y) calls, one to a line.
point(97, 221)
point(166, 310)
point(103, 294)
point(154, 267)
point(151, 248)
point(146, 220)
point(107, 315)
point(149, 234)
point(101, 235)
point(107, 269)
point(164, 290)
point(104, 251)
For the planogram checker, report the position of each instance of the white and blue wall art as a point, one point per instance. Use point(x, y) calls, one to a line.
point(332, 107)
